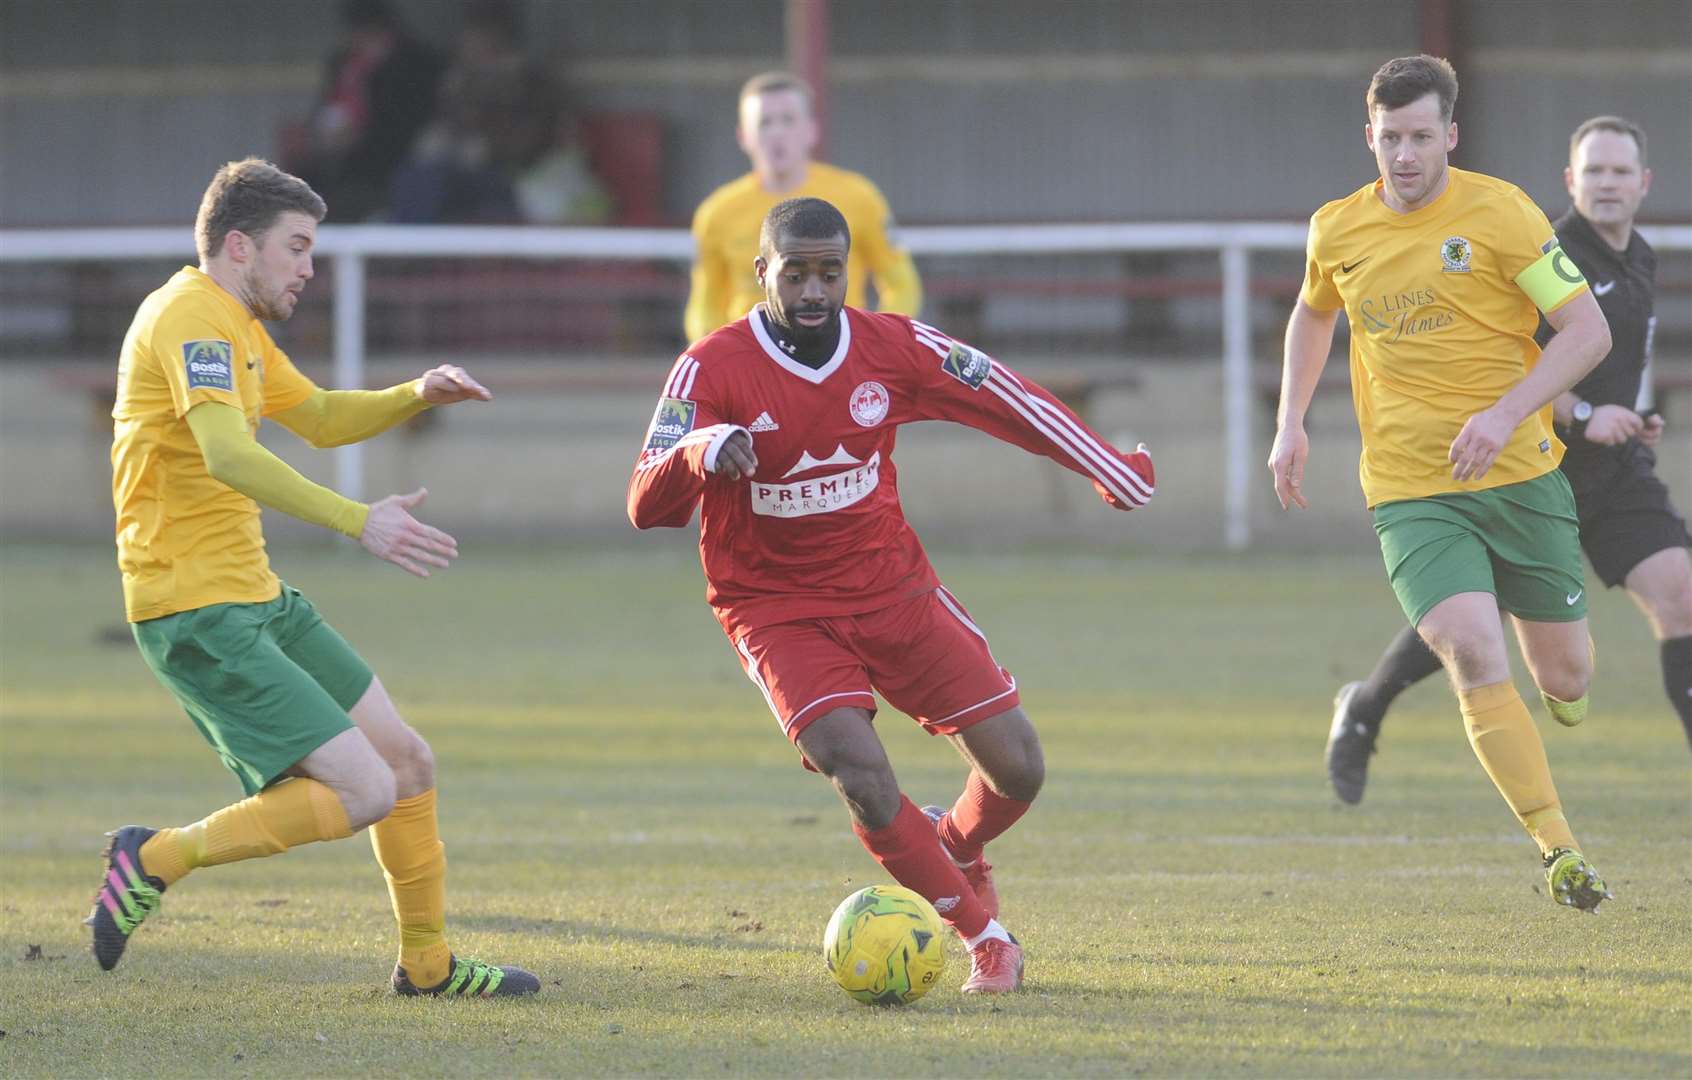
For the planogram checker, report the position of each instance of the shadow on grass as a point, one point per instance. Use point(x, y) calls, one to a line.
point(462, 924)
point(1339, 971)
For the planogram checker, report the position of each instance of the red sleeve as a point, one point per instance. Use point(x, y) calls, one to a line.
point(679, 452)
point(965, 385)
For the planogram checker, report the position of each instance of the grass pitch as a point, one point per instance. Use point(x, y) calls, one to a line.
point(623, 817)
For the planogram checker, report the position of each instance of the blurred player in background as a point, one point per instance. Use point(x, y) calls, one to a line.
point(1631, 531)
point(782, 424)
point(778, 134)
point(292, 710)
point(1441, 273)
point(378, 89)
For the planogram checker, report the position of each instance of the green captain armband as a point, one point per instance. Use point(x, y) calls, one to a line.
point(1551, 280)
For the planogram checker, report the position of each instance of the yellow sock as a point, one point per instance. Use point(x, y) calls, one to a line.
point(285, 815)
point(408, 845)
point(1502, 732)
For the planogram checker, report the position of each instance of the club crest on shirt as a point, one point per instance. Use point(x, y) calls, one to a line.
point(209, 364)
point(672, 420)
point(1456, 253)
point(969, 366)
point(869, 403)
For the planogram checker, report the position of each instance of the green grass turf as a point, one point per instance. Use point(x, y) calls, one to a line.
point(622, 816)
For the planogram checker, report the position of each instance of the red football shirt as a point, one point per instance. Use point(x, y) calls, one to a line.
point(818, 529)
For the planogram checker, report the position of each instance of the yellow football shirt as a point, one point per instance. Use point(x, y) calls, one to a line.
point(725, 234)
point(1443, 303)
point(184, 539)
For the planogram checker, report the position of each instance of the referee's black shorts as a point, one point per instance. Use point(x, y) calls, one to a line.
point(1627, 520)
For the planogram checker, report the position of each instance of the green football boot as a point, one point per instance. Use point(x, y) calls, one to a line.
point(127, 895)
point(471, 978)
point(1574, 882)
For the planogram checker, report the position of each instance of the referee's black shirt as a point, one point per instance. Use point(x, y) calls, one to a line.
point(1624, 283)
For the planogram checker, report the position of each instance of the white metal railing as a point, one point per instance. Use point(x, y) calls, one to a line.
point(349, 246)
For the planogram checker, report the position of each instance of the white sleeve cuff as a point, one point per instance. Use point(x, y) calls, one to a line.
point(717, 440)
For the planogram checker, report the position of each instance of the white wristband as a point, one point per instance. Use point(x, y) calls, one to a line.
point(716, 444)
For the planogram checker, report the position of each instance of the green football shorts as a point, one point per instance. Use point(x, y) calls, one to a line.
point(1520, 542)
point(266, 684)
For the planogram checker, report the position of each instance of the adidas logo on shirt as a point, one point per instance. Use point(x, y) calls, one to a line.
point(763, 423)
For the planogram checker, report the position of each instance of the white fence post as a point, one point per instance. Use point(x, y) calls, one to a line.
point(349, 361)
point(1236, 395)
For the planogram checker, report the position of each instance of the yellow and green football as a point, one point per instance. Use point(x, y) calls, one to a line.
point(884, 945)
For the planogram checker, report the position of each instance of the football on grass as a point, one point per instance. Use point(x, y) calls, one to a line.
point(884, 945)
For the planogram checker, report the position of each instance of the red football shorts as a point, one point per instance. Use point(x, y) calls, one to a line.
point(925, 655)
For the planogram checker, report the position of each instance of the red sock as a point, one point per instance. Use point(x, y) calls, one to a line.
point(979, 815)
point(910, 851)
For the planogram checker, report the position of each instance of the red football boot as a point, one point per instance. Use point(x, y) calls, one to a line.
point(995, 967)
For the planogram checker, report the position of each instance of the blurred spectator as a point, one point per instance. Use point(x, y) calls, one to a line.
point(779, 133)
point(501, 146)
point(378, 89)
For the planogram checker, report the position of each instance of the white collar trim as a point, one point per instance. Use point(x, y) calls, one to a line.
point(773, 351)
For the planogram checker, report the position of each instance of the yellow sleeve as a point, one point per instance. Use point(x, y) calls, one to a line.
point(198, 353)
point(1318, 292)
point(338, 417)
point(285, 386)
point(235, 458)
point(1530, 255)
point(708, 297)
point(898, 286)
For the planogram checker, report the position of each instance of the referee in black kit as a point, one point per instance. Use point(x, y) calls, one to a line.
point(1630, 530)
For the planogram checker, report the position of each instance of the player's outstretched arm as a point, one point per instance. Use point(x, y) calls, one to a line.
point(1310, 335)
point(337, 417)
point(1581, 340)
point(233, 457)
point(449, 384)
point(392, 534)
point(385, 528)
point(966, 386)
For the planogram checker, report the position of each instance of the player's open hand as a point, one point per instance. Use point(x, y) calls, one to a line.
point(1286, 462)
point(1652, 432)
point(391, 533)
point(1612, 425)
point(735, 458)
point(1478, 445)
point(449, 383)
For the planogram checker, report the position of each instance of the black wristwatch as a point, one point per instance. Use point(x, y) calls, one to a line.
point(1581, 413)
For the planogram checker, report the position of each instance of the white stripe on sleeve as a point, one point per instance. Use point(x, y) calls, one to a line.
point(678, 372)
point(1062, 420)
point(939, 350)
point(1097, 461)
